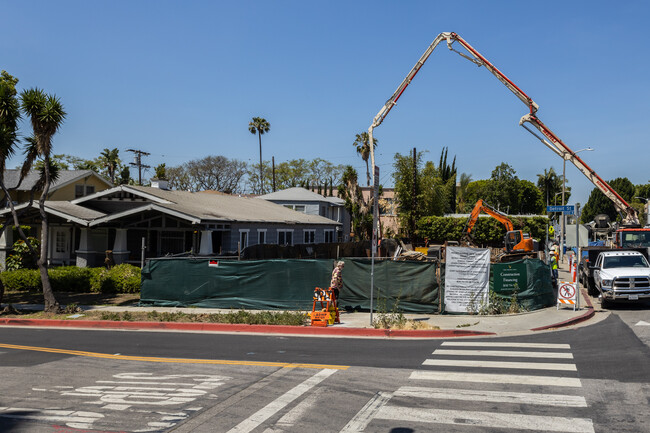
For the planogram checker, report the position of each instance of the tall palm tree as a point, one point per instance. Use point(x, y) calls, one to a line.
point(259, 126)
point(46, 114)
point(549, 183)
point(110, 159)
point(362, 143)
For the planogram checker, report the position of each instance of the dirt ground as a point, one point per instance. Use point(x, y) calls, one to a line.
point(66, 298)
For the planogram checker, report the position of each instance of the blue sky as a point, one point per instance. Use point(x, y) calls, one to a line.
point(181, 80)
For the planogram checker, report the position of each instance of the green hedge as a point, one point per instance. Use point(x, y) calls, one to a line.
point(487, 231)
point(119, 279)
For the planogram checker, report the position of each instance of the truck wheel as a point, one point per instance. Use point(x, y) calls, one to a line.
point(591, 287)
point(604, 303)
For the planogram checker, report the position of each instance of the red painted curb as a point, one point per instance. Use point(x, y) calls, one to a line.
point(268, 329)
point(586, 316)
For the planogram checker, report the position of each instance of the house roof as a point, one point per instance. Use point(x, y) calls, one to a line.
point(194, 207)
point(66, 177)
point(300, 194)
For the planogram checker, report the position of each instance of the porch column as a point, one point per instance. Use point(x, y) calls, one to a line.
point(206, 243)
point(83, 254)
point(120, 253)
point(6, 243)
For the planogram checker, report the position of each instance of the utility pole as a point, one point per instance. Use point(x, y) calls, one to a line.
point(138, 162)
point(273, 164)
point(413, 198)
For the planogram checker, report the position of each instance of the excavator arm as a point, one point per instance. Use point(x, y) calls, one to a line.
point(481, 206)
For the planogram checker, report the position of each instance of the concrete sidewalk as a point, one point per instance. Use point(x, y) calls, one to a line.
point(353, 324)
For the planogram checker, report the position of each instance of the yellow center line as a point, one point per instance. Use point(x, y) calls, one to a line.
point(172, 360)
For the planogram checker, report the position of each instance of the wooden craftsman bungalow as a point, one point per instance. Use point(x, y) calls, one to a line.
point(136, 222)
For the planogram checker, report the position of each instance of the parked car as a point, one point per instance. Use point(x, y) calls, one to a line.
point(621, 276)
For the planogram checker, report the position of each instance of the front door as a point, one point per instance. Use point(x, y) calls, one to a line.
point(60, 245)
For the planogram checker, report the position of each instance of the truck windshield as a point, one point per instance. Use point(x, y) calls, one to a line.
point(636, 239)
point(625, 262)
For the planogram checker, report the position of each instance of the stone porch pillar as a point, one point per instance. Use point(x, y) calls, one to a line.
point(6, 243)
point(206, 243)
point(120, 253)
point(84, 256)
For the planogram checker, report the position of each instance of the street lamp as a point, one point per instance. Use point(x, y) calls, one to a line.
point(555, 198)
point(563, 202)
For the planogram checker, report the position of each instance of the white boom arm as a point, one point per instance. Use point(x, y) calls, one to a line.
point(630, 215)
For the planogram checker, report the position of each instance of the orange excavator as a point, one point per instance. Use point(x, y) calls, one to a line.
point(518, 245)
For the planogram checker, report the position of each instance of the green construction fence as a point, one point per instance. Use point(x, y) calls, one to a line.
point(288, 284)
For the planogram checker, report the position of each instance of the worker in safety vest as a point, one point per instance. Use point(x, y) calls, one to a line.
point(337, 279)
point(554, 257)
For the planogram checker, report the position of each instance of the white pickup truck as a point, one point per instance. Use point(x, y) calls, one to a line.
point(621, 276)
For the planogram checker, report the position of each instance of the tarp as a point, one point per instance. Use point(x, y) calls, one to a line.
point(411, 284)
point(530, 279)
point(256, 285)
point(286, 284)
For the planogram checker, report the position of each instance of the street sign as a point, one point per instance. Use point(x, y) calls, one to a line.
point(567, 209)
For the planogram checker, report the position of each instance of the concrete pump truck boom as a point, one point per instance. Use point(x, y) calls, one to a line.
point(629, 215)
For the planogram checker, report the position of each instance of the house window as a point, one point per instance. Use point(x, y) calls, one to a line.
point(310, 236)
point(329, 236)
point(60, 242)
point(243, 238)
point(83, 190)
point(299, 208)
point(285, 237)
point(261, 236)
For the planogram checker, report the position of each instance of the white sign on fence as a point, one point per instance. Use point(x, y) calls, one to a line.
point(467, 278)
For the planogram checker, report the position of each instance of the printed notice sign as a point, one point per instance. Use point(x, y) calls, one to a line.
point(467, 278)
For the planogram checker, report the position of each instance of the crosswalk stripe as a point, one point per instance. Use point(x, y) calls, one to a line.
point(504, 353)
point(367, 413)
point(560, 400)
point(495, 378)
point(506, 344)
point(500, 364)
point(487, 419)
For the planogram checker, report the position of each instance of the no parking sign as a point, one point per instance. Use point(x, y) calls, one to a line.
point(566, 294)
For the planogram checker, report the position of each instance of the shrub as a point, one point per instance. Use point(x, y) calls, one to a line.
point(21, 257)
point(120, 279)
point(22, 280)
point(70, 279)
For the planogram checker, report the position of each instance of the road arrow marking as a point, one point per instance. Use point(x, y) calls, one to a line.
point(642, 323)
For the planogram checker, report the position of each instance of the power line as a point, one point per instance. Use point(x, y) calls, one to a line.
point(138, 162)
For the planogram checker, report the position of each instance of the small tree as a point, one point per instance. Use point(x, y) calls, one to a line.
point(46, 114)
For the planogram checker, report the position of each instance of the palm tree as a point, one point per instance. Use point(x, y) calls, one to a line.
point(259, 126)
point(549, 183)
point(362, 144)
point(46, 114)
point(110, 159)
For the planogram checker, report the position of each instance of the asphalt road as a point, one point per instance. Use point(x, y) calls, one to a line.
point(587, 379)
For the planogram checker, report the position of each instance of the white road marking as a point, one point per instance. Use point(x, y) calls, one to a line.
point(504, 353)
point(496, 378)
point(72, 418)
point(506, 344)
point(642, 323)
point(272, 408)
point(499, 364)
point(367, 413)
point(487, 419)
point(560, 400)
